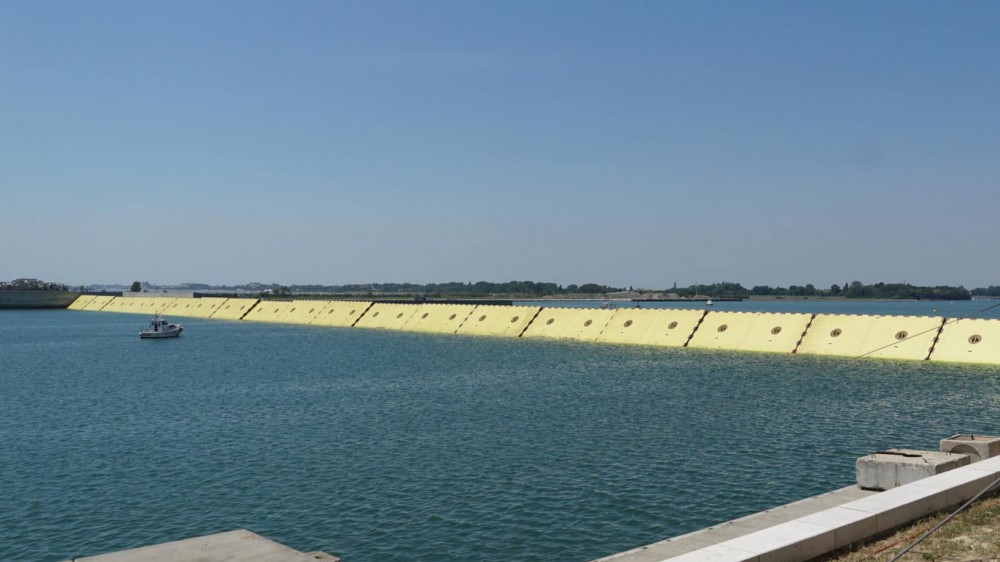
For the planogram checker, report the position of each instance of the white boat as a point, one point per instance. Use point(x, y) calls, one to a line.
point(160, 328)
point(709, 302)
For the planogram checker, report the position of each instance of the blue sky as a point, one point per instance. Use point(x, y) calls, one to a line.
point(626, 143)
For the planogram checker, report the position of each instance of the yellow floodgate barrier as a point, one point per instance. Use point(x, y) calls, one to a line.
point(160, 304)
point(97, 303)
point(751, 331)
point(969, 341)
point(233, 309)
point(506, 321)
point(268, 311)
point(891, 337)
point(387, 316)
point(303, 312)
point(341, 314)
point(194, 308)
point(118, 304)
point(582, 324)
point(659, 326)
point(80, 302)
point(438, 318)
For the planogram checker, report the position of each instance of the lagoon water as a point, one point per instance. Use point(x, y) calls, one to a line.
point(386, 446)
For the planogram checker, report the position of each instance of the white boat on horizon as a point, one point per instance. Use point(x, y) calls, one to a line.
point(160, 328)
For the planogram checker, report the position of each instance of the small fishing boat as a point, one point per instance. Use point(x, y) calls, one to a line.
point(709, 302)
point(160, 328)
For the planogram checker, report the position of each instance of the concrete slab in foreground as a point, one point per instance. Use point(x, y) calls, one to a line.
point(817, 531)
point(232, 546)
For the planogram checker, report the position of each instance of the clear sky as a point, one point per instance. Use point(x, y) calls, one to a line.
point(624, 143)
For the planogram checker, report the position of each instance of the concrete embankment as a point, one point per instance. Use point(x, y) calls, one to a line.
point(915, 338)
point(36, 299)
point(826, 523)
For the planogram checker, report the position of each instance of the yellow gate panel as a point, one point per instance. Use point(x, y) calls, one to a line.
point(969, 340)
point(902, 337)
point(98, 303)
point(268, 311)
point(496, 320)
point(114, 304)
point(161, 304)
point(195, 308)
point(628, 325)
point(142, 305)
point(672, 327)
point(438, 318)
point(318, 307)
point(387, 316)
point(776, 332)
point(583, 324)
point(301, 312)
point(305, 311)
point(891, 337)
point(145, 305)
point(341, 313)
point(723, 330)
point(129, 305)
point(669, 327)
point(751, 331)
point(836, 334)
point(80, 302)
point(233, 309)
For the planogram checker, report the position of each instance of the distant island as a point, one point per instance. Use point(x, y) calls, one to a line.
point(26, 284)
point(527, 290)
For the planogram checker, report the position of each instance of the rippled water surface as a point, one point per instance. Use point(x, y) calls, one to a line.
point(381, 446)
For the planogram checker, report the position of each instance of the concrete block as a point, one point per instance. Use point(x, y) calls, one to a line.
point(849, 525)
point(886, 470)
point(960, 485)
point(899, 506)
point(978, 447)
point(989, 466)
point(788, 542)
point(232, 546)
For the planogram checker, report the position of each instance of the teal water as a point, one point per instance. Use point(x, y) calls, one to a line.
point(383, 446)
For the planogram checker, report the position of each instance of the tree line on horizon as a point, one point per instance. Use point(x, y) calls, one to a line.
point(850, 290)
